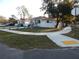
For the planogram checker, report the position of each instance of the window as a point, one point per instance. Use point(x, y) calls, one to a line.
point(39, 21)
point(47, 21)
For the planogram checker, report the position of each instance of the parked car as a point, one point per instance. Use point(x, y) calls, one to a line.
point(10, 24)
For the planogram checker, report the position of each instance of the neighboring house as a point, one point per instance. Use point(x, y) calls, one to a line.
point(23, 22)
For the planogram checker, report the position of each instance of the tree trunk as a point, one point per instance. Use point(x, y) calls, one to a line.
point(62, 23)
point(57, 23)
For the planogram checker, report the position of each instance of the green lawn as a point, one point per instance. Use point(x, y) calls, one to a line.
point(26, 41)
point(74, 33)
point(38, 29)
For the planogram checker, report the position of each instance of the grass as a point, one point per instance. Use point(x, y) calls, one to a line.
point(26, 41)
point(4, 27)
point(74, 33)
point(38, 29)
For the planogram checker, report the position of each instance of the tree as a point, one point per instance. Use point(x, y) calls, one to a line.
point(23, 12)
point(63, 8)
point(48, 7)
point(3, 20)
point(12, 20)
point(13, 16)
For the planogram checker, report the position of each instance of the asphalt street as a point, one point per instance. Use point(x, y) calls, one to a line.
point(61, 53)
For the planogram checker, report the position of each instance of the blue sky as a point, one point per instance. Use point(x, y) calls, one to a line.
point(8, 7)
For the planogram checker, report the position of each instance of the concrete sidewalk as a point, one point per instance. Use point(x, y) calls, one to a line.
point(60, 39)
point(23, 33)
point(65, 30)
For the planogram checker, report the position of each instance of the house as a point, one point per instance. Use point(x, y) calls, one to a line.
point(37, 22)
point(22, 22)
point(43, 22)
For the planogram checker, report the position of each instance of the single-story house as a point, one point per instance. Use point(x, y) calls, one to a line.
point(39, 22)
point(44, 22)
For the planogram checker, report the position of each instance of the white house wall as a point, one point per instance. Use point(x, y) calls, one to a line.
point(45, 24)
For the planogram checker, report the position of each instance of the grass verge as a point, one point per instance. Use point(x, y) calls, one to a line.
point(38, 29)
point(26, 41)
point(74, 33)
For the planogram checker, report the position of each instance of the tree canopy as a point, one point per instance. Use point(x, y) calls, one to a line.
point(64, 8)
point(23, 12)
point(50, 9)
point(3, 19)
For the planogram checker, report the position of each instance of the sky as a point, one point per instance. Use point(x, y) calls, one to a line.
point(8, 7)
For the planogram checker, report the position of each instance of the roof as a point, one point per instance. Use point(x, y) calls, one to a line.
point(42, 18)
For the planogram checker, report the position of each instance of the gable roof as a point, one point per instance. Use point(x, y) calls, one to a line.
point(42, 18)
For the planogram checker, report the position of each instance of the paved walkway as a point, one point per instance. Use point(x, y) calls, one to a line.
point(66, 30)
point(56, 37)
point(24, 33)
point(60, 39)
